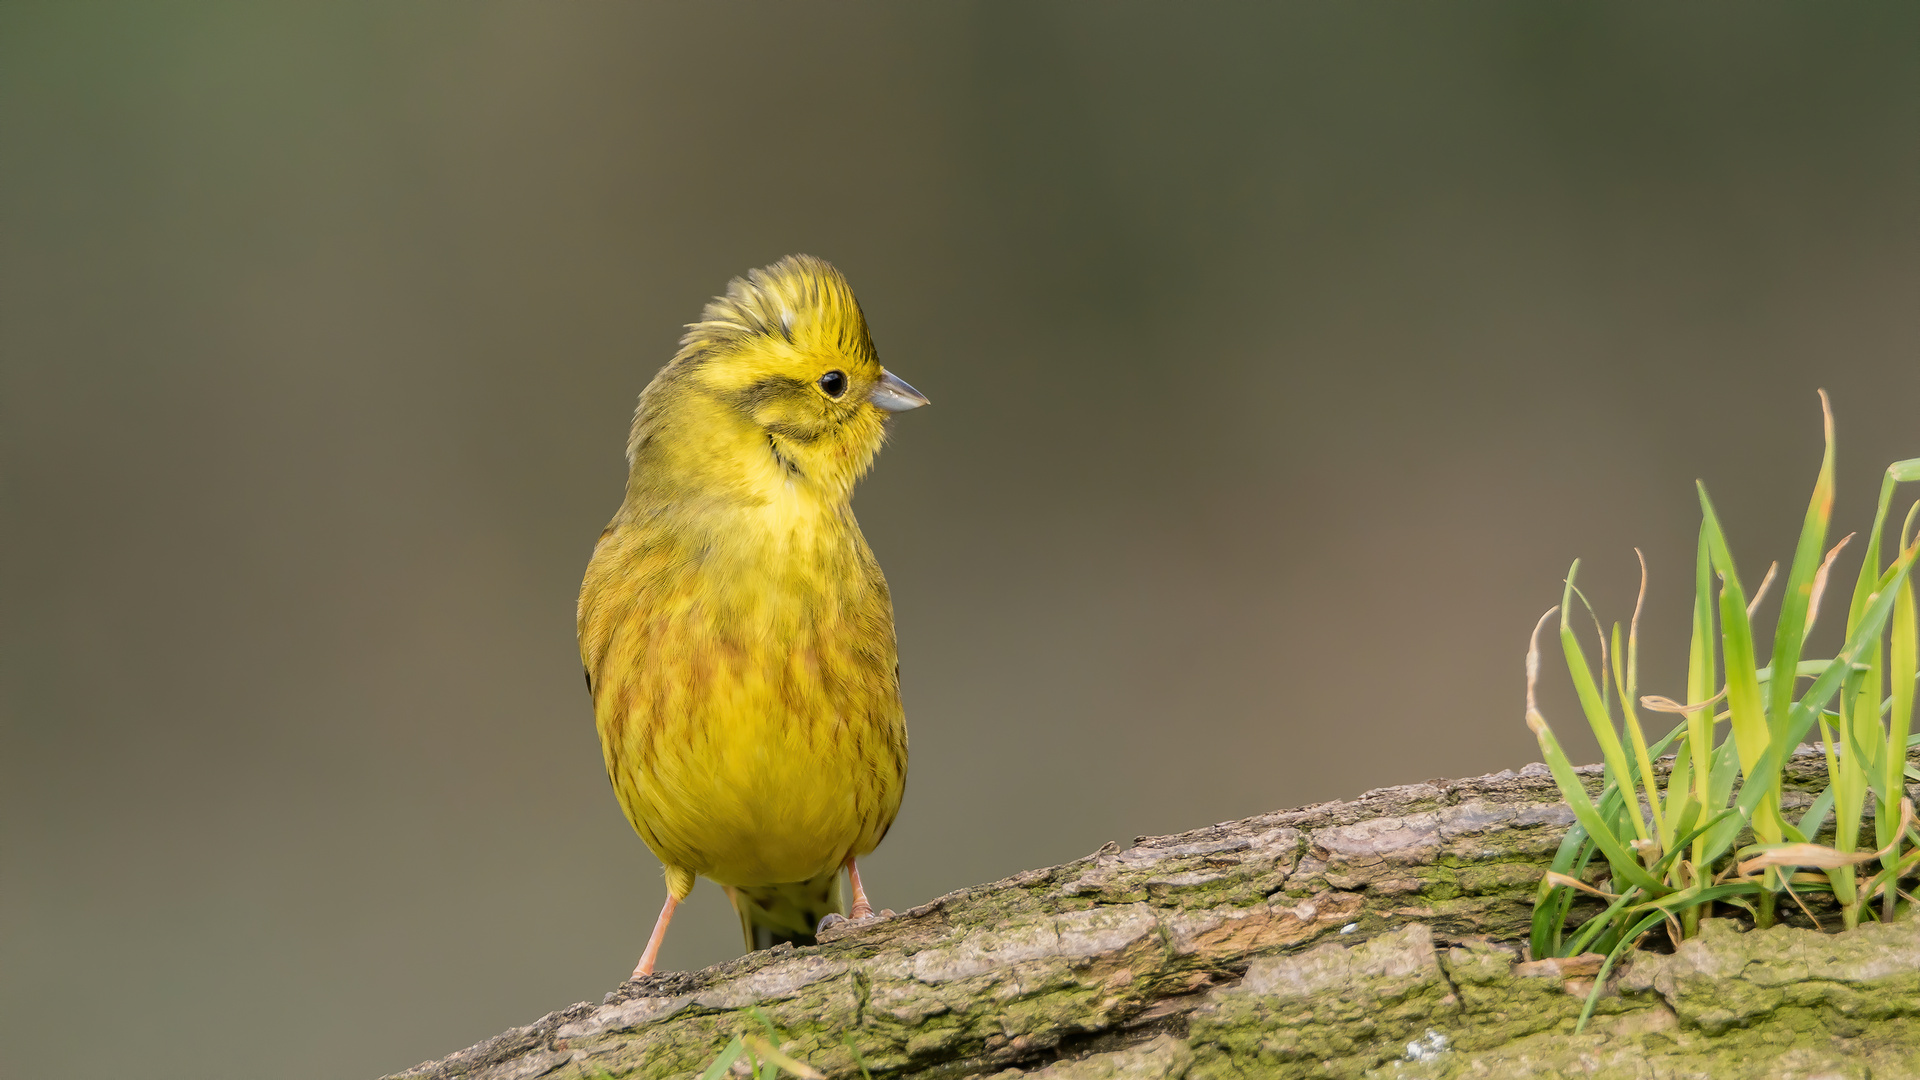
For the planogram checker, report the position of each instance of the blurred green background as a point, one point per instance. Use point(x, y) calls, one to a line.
point(1281, 356)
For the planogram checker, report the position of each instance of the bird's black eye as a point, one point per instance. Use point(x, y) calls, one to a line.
point(834, 383)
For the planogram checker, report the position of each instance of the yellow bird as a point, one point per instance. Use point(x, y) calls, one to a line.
point(736, 630)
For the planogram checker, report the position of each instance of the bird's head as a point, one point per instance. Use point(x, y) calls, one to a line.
point(780, 379)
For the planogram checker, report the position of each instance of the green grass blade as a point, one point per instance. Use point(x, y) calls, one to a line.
point(1599, 718)
point(1873, 620)
point(725, 1061)
point(1606, 967)
point(1625, 865)
point(1599, 924)
point(1751, 732)
point(1816, 815)
point(1903, 665)
point(1553, 902)
point(773, 1035)
point(859, 1059)
point(1870, 563)
point(1713, 894)
point(1891, 874)
point(1642, 761)
point(1862, 740)
point(1729, 814)
point(1679, 809)
point(1549, 920)
point(1701, 680)
point(1726, 769)
point(1795, 601)
point(1860, 639)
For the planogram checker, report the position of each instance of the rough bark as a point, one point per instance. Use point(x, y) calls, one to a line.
point(1379, 937)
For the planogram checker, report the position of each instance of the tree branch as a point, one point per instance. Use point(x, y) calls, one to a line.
point(1325, 941)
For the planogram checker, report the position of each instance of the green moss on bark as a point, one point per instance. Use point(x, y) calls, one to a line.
point(1367, 938)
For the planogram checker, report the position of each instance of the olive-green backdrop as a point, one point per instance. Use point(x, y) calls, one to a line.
point(1282, 357)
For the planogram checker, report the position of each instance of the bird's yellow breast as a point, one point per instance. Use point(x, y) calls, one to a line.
point(743, 668)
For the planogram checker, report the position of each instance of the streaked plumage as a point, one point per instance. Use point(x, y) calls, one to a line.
point(736, 630)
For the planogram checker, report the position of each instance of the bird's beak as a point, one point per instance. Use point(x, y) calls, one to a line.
point(894, 395)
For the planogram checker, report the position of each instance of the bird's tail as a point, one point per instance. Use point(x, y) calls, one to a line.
point(771, 914)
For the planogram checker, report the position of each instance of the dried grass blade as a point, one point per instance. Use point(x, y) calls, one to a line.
point(767, 1052)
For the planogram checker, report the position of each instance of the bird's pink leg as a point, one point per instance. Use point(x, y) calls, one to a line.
point(645, 966)
point(861, 908)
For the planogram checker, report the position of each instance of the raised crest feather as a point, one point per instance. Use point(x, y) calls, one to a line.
point(801, 300)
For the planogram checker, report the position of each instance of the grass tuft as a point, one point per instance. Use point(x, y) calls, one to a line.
point(1669, 847)
point(760, 1058)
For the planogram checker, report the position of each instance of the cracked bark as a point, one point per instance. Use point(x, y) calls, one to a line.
point(1376, 936)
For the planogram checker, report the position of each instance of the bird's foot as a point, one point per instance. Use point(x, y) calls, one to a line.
point(834, 919)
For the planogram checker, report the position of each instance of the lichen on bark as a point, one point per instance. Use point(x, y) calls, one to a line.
point(1376, 937)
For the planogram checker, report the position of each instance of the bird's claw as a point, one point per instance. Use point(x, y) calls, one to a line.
point(833, 919)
